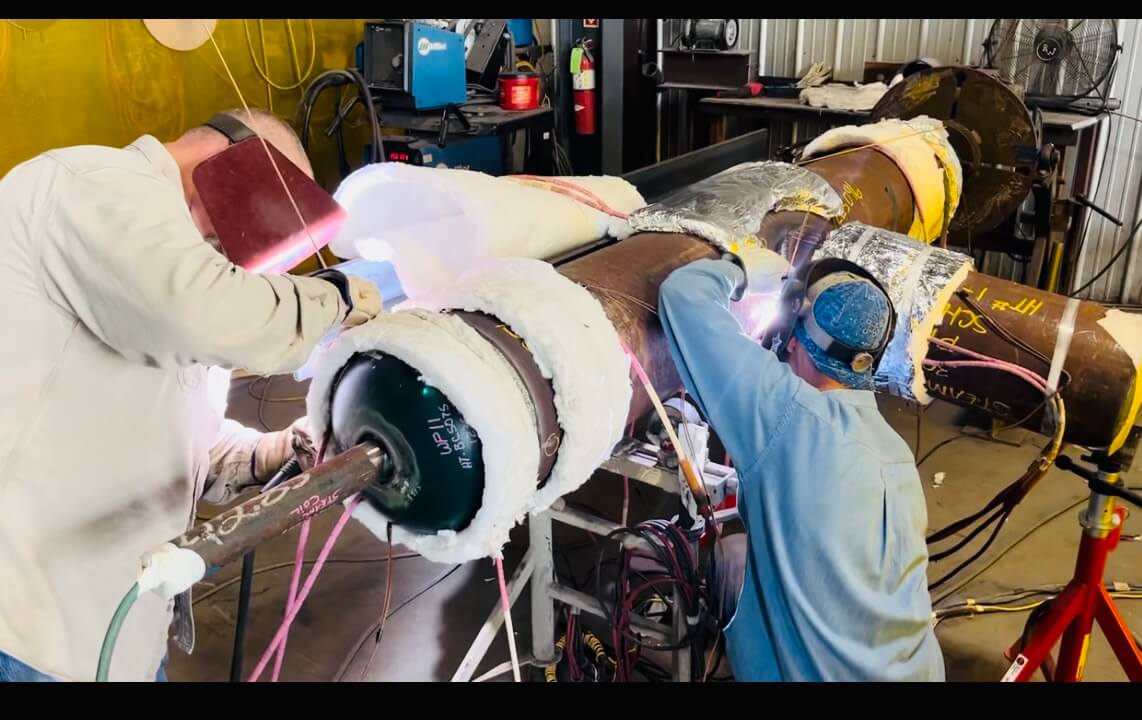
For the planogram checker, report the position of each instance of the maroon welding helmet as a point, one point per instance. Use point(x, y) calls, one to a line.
point(257, 225)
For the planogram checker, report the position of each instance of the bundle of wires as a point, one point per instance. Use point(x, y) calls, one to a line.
point(338, 79)
point(584, 655)
point(1022, 600)
point(676, 569)
point(996, 512)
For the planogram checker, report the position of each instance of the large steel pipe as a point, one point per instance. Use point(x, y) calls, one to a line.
point(440, 475)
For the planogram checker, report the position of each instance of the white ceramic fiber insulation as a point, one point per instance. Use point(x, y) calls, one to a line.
point(914, 146)
point(574, 345)
point(433, 223)
point(476, 378)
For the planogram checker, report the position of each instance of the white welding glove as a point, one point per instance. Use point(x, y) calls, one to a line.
point(366, 302)
point(274, 449)
point(359, 295)
point(764, 271)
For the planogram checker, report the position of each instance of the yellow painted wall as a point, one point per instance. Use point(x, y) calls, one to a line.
point(107, 82)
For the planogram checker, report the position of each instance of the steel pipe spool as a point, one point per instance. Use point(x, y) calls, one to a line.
point(378, 398)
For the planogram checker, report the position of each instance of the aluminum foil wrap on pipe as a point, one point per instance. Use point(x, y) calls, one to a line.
point(1098, 349)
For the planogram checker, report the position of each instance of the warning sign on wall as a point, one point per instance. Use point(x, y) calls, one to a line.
point(590, 23)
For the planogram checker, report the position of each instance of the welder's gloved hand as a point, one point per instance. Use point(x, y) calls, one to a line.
point(764, 269)
point(365, 302)
point(274, 449)
point(359, 295)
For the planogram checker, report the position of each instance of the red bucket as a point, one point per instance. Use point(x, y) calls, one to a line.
point(519, 91)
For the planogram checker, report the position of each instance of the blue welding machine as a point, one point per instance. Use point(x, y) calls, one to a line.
point(414, 66)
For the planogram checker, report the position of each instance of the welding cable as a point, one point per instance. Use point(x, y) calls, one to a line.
point(1002, 553)
point(971, 606)
point(1110, 263)
point(549, 670)
point(1013, 340)
point(333, 78)
point(691, 475)
point(384, 604)
point(1004, 502)
point(212, 591)
point(283, 630)
point(112, 634)
point(1022, 487)
point(372, 630)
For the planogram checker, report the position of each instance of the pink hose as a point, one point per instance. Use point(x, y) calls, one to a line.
point(291, 599)
point(1021, 372)
point(573, 191)
point(322, 556)
point(984, 361)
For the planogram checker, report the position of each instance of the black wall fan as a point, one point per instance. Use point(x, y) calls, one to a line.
point(1059, 63)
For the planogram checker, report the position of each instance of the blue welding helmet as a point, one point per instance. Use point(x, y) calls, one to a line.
point(796, 303)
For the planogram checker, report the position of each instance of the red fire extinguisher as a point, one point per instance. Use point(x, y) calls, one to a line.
point(583, 84)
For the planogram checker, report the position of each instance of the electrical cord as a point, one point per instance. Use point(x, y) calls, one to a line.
point(283, 565)
point(334, 78)
point(364, 638)
point(385, 605)
point(264, 72)
point(1109, 263)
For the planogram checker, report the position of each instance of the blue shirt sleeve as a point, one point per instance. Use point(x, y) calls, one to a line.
point(743, 389)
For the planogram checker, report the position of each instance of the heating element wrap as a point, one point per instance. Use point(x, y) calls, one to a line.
point(727, 208)
point(920, 279)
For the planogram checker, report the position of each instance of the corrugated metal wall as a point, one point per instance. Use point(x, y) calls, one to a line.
point(788, 47)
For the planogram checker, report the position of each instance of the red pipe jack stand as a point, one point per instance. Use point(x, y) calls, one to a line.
point(1072, 614)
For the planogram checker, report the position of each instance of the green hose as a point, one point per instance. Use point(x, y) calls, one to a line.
point(112, 634)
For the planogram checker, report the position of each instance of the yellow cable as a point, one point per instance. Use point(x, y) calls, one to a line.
point(266, 62)
point(273, 162)
point(263, 71)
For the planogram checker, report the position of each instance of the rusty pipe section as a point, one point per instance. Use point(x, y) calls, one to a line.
point(1101, 396)
point(238, 530)
point(1101, 393)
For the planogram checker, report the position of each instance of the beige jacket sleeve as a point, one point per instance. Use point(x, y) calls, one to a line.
point(120, 250)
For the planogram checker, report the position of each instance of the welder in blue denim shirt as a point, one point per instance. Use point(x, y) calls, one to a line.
point(829, 581)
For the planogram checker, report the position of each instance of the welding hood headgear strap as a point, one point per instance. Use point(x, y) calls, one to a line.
point(234, 129)
point(797, 298)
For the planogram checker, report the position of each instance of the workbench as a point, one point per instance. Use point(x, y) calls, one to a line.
point(487, 119)
point(1059, 221)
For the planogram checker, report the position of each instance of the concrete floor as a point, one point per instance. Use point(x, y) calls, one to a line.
point(426, 638)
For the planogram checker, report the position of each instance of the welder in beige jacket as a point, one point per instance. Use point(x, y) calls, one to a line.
point(120, 322)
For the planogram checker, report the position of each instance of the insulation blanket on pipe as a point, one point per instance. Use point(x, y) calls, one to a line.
point(572, 343)
point(920, 280)
point(476, 378)
point(433, 223)
point(727, 209)
point(921, 149)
